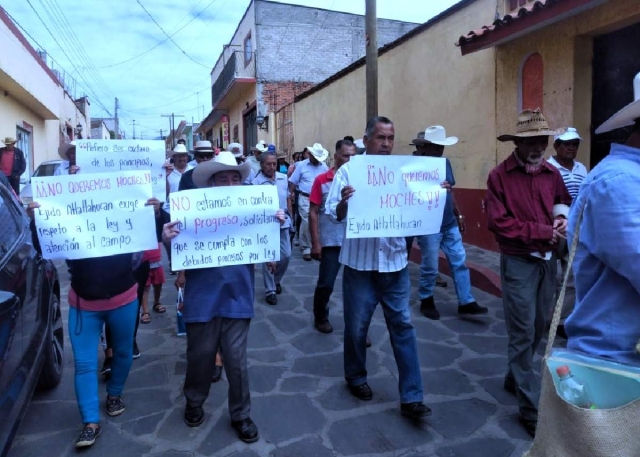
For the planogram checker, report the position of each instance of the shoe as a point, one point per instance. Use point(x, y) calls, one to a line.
point(510, 386)
point(415, 410)
point(272, 299)
point(193, 416)
point(428, 309)
point(106, 367)
point(115, 406)
point(529, 425)
point(246, 429)
point(368, 342)
point(136, 350)
point(306, 257)
point(278, 289)
point(217, 373)
point(472, 309)
point(88, 436)
point(324, 326)
point(441, 283)
point(363, 391)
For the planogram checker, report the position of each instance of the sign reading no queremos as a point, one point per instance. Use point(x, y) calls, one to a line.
point(395, 196)
point(94, 215)
point(103, 156)
point(221, 226)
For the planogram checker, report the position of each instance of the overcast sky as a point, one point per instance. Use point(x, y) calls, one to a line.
point(157, 81)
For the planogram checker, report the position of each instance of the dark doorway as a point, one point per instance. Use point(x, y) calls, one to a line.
point(250, 130)
point(616, 61)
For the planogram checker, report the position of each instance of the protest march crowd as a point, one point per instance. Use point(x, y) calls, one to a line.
point(544, 212)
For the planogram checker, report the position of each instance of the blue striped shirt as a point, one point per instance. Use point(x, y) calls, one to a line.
point(572, 178)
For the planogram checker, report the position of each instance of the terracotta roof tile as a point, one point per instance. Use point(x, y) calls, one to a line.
point(529, 8)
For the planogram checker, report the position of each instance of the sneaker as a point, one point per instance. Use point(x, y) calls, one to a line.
point(472, 309)
point(272, 299)
point(88, 436)
point(428, 309)
point(136, 350)
point(324, 326)
point(106, 367)
point(115, 406)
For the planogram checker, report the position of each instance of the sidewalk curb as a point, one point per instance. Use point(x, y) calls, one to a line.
point(482, 277)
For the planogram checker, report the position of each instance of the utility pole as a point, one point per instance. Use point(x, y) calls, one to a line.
point(117, 121)
point(134, 129)
point(371, 31)
point(172, 127)
point(161, 137)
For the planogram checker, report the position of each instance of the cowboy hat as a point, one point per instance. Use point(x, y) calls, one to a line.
point(202, 146)
point(9, 140)
point(261, 146)
point(64, 148)
point(318, 152)
point(435, 134)
point(179, 149)
point(222, 162)
point(237, 146)
point(531, 123)
point(627, 115)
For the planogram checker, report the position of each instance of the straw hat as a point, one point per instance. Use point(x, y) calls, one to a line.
point(261, 146)
point(202, 146)
point(179, 149)
point(9, 140)
point(531, 123)
point(222, 162)
point(435, 134)
point(627, 115)
point(318, 152)
point(64, 148)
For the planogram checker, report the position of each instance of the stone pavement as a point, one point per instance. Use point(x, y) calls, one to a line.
point(299, 399)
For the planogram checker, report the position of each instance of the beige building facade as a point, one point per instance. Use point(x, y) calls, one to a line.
point(575, 59)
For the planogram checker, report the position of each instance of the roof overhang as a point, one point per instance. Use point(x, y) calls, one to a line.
point(11, 88)
point(541, 14)
point(212, 119)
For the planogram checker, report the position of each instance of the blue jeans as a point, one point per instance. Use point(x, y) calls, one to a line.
point(84, 332)
point(329, 268)
point(450, 241)
point(363, 290)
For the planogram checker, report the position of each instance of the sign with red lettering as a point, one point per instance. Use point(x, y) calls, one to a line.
point(395, 196)
point(104, 156)
point(94, 215)
point(221, 226)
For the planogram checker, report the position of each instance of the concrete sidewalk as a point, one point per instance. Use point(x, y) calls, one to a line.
point(299, 398)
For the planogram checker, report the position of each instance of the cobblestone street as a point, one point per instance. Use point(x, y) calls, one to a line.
point(299, 398)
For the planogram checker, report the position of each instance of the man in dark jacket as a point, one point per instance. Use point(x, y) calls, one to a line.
point(12, 163)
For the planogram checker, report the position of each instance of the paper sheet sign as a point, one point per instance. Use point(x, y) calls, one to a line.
point(395, 196)
point(103, 156)
point(220, 226)
point(94, 215)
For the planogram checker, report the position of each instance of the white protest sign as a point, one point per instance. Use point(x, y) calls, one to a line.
point(103, 156)
point(395, 196)
point(94, 215)
point(221, 226)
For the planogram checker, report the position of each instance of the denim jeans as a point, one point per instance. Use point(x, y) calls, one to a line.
point(450, 241)
point(363, 290)
point(84, 329)
point(271, 279)
point(329, 268)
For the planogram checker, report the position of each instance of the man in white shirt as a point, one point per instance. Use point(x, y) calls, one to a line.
point(573, 174)
point(254, 157)
point(175, 171)
point(375, 271)
point(67, 153)
point(302, 180)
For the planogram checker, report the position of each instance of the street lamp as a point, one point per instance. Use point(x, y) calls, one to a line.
point(262, 122)
point(79, 130)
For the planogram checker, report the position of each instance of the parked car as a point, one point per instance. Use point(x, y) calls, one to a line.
point(47, 168)
point(31, 334)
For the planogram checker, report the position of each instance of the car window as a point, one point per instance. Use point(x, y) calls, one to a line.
point(11, 223)
point(46, 169)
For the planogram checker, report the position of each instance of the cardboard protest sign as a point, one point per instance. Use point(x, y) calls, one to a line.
point(103, 156)
point(221, 226)
point(94, 215)
point(395, 196)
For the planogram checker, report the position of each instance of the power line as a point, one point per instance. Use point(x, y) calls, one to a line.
point(169, 37)
point(161, 42)
point(317, 33)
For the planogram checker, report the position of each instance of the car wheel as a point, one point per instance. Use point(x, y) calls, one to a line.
point(51, 373)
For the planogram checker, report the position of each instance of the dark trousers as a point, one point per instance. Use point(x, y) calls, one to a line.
point(528, 286)
point(203, 341)
point(328, 271)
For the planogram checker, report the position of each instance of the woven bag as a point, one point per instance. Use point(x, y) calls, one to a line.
point(565, 430)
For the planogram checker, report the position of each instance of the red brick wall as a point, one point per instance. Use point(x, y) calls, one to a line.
point(279, 94)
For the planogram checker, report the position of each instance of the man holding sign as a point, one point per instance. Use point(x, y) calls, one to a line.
point(218, 296)
point(375, 271)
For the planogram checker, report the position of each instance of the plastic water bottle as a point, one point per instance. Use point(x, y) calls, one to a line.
point(572, 390)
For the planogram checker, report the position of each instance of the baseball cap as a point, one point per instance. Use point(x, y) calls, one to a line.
point(570, 134)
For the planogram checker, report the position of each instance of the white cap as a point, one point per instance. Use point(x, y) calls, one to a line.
point(570, 134)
